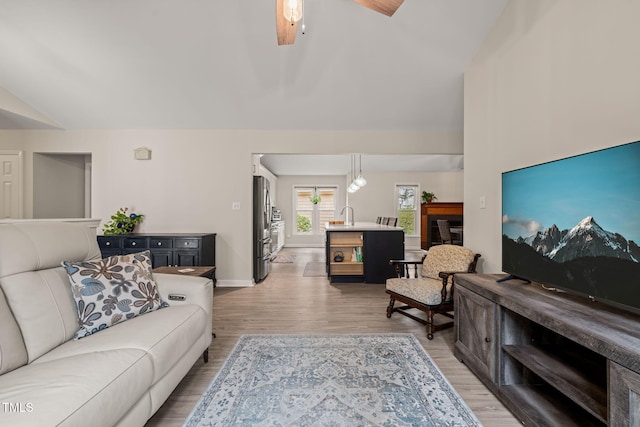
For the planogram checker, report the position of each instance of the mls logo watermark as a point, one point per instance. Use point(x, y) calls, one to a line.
point(16, 407)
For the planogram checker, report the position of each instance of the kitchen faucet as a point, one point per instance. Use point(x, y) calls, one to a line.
point(353, 216)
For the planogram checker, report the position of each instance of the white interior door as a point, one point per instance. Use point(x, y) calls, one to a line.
point(10, 184)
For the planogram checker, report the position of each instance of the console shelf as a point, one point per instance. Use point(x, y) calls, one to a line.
point(552, 358)
point(544, 406)
point(346, 244)
point(565, 374)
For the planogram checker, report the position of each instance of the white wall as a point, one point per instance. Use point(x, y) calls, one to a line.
point(194, 176)
point(553, 79)
point(12, 140)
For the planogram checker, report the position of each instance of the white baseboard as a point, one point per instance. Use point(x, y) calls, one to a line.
point(321, 245)
point(235, 283)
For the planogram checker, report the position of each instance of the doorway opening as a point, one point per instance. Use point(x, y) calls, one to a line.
point(61, 185)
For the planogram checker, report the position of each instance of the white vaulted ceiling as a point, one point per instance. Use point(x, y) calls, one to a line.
point(214, 64)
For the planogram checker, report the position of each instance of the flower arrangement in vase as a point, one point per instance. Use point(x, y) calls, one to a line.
point(122, 222)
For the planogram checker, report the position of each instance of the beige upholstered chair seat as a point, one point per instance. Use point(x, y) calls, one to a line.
point(422, 289)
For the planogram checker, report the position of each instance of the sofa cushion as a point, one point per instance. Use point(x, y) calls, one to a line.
point(30, 246)
point(43, 307)
point(36, 288)
point(112, 290)
point(96, 388)
point(165, 335)
point(13, 353)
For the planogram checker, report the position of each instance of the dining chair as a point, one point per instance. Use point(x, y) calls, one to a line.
point(445, 233)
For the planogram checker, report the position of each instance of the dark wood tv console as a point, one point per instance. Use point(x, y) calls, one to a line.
point(552, 358)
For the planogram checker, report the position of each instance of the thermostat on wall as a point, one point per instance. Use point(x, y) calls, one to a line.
point(142, 153)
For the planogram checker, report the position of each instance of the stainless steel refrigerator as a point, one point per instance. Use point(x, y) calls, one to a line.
point(261, 228)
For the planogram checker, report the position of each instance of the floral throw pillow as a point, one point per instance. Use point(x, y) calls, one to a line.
point(112, 290)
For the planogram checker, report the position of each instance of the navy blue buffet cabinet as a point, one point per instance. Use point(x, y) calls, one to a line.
point(183, 249)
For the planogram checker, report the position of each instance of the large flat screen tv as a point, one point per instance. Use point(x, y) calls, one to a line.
point(574, 224)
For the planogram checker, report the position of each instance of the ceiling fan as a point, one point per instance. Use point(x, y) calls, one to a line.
point(289, 12)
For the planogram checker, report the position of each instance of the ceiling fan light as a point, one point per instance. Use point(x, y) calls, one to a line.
point(292, 10)
point(360, 181)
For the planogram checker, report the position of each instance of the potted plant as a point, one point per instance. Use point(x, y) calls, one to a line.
point(122, 222)
point(428, 197)
point(315, 199)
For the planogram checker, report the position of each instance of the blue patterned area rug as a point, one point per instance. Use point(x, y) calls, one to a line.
point(330, 380)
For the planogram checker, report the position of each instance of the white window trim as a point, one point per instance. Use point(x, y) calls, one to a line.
point(416, 225)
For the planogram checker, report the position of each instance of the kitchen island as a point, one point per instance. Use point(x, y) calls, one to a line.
point(361, 252)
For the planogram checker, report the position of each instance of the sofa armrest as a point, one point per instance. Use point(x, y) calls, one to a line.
point(195, 290)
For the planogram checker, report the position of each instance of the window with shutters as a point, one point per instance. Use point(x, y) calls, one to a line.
point(314, 207)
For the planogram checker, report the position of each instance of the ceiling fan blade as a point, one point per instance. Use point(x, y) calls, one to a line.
point(286, 31)
point(387, 7)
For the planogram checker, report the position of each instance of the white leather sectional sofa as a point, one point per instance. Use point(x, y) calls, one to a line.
point(118, 376)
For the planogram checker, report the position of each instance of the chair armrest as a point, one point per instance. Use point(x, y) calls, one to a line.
point(402, 266)
point(444, 275)
point(196, 290)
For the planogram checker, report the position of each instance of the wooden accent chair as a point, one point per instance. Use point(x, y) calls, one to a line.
point(431, 289)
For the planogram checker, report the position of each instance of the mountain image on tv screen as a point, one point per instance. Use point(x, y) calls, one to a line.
point(574, 224)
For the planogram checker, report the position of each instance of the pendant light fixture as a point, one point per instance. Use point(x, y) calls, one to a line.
point(360, 181)
point(292, 10)
point(353, 187)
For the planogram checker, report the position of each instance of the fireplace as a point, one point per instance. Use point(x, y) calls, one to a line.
point(433, 237)
point(430, 214)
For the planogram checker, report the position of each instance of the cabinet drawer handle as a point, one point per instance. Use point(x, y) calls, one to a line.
point(487, 339)
point(108, 244)
point(186, 243)
point(133, 243)
point(159, 243)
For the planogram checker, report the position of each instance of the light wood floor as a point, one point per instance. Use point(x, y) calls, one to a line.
point(287, 303)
